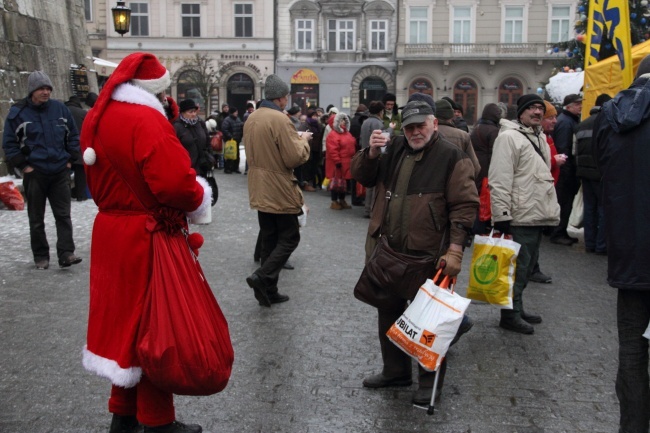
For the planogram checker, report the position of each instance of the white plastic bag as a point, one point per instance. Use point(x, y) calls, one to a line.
point(427, 327)
point(577, 211)
point(302, 218)
point(646, 334)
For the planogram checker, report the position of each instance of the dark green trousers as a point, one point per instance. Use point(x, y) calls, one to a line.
point(529, 237)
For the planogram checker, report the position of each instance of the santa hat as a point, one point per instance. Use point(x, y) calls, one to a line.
point(142, 70)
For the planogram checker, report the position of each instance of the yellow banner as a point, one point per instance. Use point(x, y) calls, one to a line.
point(595, 29)
point(617, 20)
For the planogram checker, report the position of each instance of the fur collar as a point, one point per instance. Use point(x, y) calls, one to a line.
point(131, 94)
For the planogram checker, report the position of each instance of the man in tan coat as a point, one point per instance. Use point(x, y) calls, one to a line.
point(273, 149)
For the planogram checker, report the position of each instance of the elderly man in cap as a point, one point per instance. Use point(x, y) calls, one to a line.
point(568, 184)
point(273, 149)
point(41, 140)
point(523, 197)
point(425, 205)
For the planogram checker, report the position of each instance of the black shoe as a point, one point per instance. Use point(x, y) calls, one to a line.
point(227, 171)
point(68, 259)
point(288, 265)
point(531, 318)
point(601, 253)
point(42, 264)
point(261, 295)
point(175, 427)
point(124, 424)
point(237, 171)
point(422, 397)
point(563, 240)
point(277, 298)
point(540, 277)
point(516, 325)
point(381, 381)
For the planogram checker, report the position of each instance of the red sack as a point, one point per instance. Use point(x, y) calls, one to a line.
point(216, 142)
point(361, 190)
point(11, 197)
point(183, 344)
point(485, 204)
point(337, 183)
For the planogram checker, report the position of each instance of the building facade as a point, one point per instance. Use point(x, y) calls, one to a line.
point(234, 37)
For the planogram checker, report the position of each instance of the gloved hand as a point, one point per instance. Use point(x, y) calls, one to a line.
point(503, 227)
point(452, 262)
point(339, 165)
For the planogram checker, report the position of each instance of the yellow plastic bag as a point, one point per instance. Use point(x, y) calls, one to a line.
point(492, 272)
point(326, 182)
point(230, 150)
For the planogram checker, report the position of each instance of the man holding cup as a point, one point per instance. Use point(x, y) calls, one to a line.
point(426, 202)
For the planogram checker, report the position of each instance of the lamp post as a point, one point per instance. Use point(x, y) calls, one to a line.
point(121, 18)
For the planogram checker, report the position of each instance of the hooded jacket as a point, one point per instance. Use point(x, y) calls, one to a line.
point(623, 155)
point(341, 146)
point(521, 185)
point(483, 136)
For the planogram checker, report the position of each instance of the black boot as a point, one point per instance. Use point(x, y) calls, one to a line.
point(531, 318)
point(124, 424)
point(174, 427)
point(511, 321)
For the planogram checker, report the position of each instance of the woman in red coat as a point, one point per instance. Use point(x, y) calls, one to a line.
point(341, 147)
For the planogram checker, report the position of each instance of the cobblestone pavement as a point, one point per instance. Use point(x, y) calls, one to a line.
point(299, 365)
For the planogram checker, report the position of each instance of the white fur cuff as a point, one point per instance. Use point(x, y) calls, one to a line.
point(124, 377)
point(204, 207)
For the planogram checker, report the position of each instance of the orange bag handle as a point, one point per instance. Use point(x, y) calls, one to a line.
point(447, 282)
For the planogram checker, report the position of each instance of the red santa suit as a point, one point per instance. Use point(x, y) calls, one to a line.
point(135, 168)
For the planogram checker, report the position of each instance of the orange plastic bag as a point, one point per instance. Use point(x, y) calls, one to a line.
point(11, 197)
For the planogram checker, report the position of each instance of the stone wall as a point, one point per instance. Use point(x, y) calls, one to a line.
point(47, 35)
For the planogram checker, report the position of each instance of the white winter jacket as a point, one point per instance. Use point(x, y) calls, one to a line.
point(521, 185)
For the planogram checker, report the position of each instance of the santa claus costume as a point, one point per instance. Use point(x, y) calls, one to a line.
point(136, 167)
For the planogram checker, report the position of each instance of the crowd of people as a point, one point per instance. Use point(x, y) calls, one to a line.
point(418, 171)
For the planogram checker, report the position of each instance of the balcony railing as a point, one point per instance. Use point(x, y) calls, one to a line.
point(476, 51)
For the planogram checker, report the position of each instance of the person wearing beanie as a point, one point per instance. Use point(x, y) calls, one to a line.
point(523, 199)
point(41, 141)
point(273, 150)
point(620, 140)
point(423, 97)
point(449, 131)
point(458, 118)
point(568, 184)
point(233, 129)
point(589, 174)
point(428, 213)
point(392, 118)
point(91, 98)
point(145, 188)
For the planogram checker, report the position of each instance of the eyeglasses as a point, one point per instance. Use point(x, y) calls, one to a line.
point(537, 107)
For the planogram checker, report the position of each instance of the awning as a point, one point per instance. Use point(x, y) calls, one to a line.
point(104, 67)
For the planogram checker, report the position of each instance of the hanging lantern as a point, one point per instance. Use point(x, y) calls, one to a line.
point(121, 18)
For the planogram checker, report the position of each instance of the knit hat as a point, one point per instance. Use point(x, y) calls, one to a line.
point(376, 107)
point(333, 110)
point(550, 110)
point(423, 97)
point(36, 80)
point(644, 67)
point(142, 70)
point(526, 101)
point(294, 110)
point(601, 99)
point(444, 110)
point(275, 88)
point(452, 103)
point(187, 104)
point(416, 112)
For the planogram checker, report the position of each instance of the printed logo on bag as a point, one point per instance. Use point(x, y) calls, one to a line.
point(486, 269)
point(427, 338)
point(412, 333)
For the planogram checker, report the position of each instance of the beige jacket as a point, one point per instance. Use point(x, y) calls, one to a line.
point(273, 150)
point(521, 185)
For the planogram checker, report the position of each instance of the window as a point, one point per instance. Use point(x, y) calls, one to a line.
point(418, 25)
point(341, 35)
point(513, 29)
point(88, 10)
point(139, 19)
point(378, 35)
point(304, 35)
point(462, 25)
point(560, 23)
point(243, 20)
point(191, 18)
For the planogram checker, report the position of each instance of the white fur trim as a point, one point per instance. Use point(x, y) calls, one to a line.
point(154, 86)
point(90, 156)
point(124, 377)
point(204, 207)
point(127, 92)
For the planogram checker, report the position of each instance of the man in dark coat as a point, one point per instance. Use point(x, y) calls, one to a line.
point(232, 128)
point(79, 114)
point(621, 145)
point(357, 120)
point(567, 185)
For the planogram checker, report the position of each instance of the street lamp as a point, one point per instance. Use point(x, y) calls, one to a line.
point(121, 18)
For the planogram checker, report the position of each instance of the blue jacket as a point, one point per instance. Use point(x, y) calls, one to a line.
point(44, 137)
point(623, 155)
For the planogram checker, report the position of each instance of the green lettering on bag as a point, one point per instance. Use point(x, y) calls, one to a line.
point(486, 269)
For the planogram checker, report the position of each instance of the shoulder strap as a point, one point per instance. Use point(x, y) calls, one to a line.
point(537, 149)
